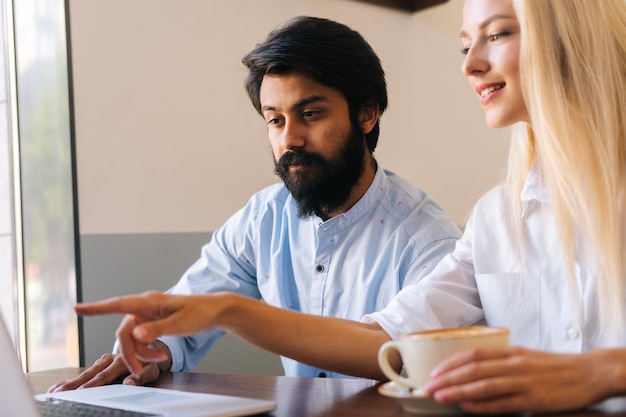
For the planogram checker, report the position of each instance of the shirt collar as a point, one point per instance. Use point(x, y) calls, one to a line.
point(371, 196)
point(534, 188)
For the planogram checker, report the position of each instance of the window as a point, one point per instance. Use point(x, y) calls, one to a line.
point(38, 232)
point(7, 255)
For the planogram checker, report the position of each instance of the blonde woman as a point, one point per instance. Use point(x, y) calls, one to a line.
point(542, 254)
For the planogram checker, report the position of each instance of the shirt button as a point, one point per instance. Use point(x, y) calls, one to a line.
point(573, 333)
point(322, 375)
point(319, 268)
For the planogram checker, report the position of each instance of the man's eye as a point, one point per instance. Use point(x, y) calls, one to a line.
point(273, 121)
point(309, 113)
point(465, 50)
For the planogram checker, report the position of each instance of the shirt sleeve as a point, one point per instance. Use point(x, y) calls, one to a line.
point(447, 297)
point(426, 259)
point(433, 235)
point(227, 263)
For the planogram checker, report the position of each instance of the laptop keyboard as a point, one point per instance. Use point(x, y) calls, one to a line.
point(54, 407)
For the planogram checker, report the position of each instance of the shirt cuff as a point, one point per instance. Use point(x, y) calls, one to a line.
point(176, 352)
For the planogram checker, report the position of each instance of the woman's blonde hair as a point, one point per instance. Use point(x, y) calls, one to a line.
point(573, 69)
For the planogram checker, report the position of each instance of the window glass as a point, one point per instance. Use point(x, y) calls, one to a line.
point(46, 178)
point(7, 258)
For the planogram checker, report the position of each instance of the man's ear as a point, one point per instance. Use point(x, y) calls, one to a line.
point(368, 116)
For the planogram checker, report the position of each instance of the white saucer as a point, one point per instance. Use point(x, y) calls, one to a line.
point(415, 402)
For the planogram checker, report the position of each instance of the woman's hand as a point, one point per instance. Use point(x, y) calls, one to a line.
point(151, 315)
point(302, 337)
point(516, 379)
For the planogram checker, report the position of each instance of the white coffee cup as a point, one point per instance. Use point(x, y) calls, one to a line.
point(422, 351)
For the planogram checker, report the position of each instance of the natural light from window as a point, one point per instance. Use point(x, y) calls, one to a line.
point(45, 176)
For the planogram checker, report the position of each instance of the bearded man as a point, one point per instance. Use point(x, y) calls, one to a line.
point(339, 236)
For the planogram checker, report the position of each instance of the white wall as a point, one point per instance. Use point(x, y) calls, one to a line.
point(167, 140)
point(169, 146)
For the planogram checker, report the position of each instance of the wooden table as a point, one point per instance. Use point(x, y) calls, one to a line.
point(298, 397)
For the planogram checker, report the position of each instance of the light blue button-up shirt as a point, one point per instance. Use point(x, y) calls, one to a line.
point(347, 266)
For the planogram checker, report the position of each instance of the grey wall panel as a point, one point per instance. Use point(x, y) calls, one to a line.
point(116, 264)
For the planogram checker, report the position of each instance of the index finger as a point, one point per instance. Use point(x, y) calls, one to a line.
point(127, 344)
point(130, 304)
point(467, 356)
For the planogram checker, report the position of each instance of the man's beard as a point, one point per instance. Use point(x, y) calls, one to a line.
point(324, 186)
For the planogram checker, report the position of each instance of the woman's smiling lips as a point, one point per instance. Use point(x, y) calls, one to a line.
point(488, 92)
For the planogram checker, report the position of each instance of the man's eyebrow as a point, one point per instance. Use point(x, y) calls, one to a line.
point(309, 100)
point(486, 23)
point(301, 103)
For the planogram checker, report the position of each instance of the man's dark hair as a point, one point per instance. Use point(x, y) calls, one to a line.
point(328, 52)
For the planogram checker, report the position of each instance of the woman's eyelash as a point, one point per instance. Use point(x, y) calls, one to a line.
point(496, 36)
point(491, 37)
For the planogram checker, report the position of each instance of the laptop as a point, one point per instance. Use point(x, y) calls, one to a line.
point(16, 398)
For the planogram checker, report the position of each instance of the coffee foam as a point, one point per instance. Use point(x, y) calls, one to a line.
point(458, 332)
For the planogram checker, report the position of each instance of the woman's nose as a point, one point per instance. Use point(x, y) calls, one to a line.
point(475, 61)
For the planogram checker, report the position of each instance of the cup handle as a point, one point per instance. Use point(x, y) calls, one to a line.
point(383, 362)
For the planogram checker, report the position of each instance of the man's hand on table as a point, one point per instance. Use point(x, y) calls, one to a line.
point(111, 368)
